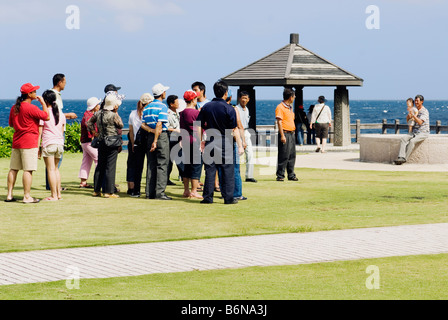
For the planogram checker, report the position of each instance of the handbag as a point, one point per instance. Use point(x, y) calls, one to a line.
point(95, 143)
point(113, 141)
point(141, 137)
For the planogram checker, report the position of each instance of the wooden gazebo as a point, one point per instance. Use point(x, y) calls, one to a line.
point(295, 66)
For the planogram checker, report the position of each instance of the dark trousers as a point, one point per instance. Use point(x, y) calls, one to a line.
point(226, 177)
point(104, 177)
point(157, 166)
point(179, 164)
point(286, 158)
point(137, 162)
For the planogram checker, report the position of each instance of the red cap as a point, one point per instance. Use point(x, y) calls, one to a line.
point(190, 95)
point(28, 87)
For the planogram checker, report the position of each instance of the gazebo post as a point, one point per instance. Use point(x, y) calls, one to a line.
point(298, 102)
point(342, 134)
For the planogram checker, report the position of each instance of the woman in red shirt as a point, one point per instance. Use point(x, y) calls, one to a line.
point(24, 118)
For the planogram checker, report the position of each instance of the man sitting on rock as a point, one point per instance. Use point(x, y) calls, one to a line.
point(419, 133)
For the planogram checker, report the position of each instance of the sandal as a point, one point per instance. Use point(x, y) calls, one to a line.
point(34, 201)
point(86, 185)
point(111, 196)
point(217, 189)
point(11, 200)
point(50, 199)
point(96, 194)
point(196, 196)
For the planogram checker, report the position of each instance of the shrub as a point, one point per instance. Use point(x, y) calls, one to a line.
point(72, 139)
point(6, 141)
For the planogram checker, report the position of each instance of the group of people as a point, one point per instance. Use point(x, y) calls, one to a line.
point(203, 134)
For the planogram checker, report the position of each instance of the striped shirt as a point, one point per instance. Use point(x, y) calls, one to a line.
point(155, 112)
point(423, 114)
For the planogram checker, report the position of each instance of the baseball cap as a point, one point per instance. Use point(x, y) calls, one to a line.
point(28, 88)
point(111, 87)
point(189, 95)
point(146, 98)
point(92, 103)
point(158, 89)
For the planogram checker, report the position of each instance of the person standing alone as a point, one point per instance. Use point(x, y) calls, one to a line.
point(284, 115)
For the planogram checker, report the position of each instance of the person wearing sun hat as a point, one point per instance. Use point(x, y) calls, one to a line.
point(89, 153)
point(155, 122)
point(109, 124)
point(24, 118)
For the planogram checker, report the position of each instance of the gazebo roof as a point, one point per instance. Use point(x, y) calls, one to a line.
point(292, 65)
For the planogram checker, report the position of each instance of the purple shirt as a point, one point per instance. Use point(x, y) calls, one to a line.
point(187, 117)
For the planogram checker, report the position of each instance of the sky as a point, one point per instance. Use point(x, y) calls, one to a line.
point(399, 49)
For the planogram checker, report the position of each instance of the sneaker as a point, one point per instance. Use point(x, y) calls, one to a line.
point(318, 150)
point(135, 194)
point(251, 180)
point(400, 161)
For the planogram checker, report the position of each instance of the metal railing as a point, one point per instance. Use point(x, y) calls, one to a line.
point(266, 133)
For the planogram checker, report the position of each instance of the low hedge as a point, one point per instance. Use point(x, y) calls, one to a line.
point(72, 139)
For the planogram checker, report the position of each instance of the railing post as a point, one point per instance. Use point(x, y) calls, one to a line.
point(397, 122)
point(438, 125)
point(358, 129)
point(384, 126)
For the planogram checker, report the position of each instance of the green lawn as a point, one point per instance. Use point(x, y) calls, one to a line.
point(403, 278)
point(321, 200)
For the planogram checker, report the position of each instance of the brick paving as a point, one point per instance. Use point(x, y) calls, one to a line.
point(222, 253)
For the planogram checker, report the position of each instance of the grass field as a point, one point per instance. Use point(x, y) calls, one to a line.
point(321, 200)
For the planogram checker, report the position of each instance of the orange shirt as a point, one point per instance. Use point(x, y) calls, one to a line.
point(286, 114)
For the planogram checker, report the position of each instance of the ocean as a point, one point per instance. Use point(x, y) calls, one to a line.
point(367, 111)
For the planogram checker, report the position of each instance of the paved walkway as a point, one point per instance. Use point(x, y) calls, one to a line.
point(222, 253)
point(236, 252)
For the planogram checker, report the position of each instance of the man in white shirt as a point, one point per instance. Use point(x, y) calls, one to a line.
point(59, 82)
point(243, 98)
point(321, 118)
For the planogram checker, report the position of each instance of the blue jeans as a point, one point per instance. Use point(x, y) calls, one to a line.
point(299, 134)
point(238, 190)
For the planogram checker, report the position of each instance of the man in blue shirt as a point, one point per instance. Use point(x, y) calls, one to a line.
point(155, 121)
point(218, 118)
